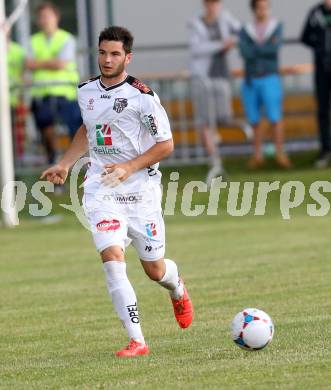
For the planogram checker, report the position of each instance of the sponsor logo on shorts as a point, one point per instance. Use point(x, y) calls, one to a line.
point(151, 123)
point(132, 198)
point(120, 104)
point(133, 313)
point(108, 225)
point(151, 229)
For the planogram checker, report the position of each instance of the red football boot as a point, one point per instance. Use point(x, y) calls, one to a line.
point(134, 348)
point(183, 309)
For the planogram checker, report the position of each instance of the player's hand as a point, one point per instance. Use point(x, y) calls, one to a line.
point(115, 174)
point(56, 174)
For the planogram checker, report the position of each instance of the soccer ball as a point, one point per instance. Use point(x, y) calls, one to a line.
point(252, 329)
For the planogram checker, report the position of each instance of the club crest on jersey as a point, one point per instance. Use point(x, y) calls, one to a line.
point(103, 134)
point(151, 229)
point(107, 226)
point(120, 104)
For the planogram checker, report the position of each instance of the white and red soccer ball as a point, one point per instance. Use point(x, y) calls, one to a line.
point(252, 329)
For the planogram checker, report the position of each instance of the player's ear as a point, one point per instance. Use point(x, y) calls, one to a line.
point(128, 58)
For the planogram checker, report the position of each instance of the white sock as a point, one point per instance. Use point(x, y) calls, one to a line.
point(171, 280)
point(123, 298)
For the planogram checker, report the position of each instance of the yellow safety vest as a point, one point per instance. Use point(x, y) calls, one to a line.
point(45, 49)
point(15, 61)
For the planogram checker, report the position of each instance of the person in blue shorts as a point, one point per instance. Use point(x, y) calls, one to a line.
point(262, 92)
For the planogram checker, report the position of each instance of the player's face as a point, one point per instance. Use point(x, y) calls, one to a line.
point(327, 3)
point(47, 20)
point(262, 10)
point(112, 58)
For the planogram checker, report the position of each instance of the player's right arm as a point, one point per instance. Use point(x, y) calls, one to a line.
point(58, 173)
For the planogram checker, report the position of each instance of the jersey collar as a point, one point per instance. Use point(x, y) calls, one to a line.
point(113, 86)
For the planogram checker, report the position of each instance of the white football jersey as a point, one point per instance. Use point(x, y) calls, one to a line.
point(122, 121)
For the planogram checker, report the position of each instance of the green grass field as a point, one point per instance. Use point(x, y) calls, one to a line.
point(58, 329)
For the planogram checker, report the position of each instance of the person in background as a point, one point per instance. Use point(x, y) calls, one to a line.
point(15, 61)
point(317, 35)
point(259, 45)
point(51, 59)
point(212, 36)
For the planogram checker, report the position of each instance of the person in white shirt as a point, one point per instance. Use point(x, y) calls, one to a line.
point(212, 36)
point(127, 132)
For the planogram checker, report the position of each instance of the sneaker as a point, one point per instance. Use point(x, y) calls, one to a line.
point(183, 309)
point(134, 348)
point(256, 163)
point(283, 161)
point(323, 160)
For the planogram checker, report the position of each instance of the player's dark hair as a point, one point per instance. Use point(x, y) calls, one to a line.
point(119, 34)
point(254, 4)
point(50, 6)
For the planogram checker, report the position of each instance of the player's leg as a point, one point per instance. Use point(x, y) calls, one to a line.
point(110, 237)
point(165, 273)
point(124, 300)
point(148, 237)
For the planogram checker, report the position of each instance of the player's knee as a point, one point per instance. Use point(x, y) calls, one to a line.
point(154, 270)
point(155, 275)
point(114, 253)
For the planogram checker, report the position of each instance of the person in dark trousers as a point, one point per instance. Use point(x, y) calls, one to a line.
point(51, 58)
point(317, 35)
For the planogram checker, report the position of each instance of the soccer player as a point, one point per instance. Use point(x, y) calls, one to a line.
point(127, 132)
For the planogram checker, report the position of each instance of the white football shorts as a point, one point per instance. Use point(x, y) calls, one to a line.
point(119, 219)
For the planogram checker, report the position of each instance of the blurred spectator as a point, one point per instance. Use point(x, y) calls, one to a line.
point(53, 64)
point(212, 36)
point(260, 42)
point(317, 35)
point(15, 61)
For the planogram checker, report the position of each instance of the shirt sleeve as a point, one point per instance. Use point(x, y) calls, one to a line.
point(154, 118)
